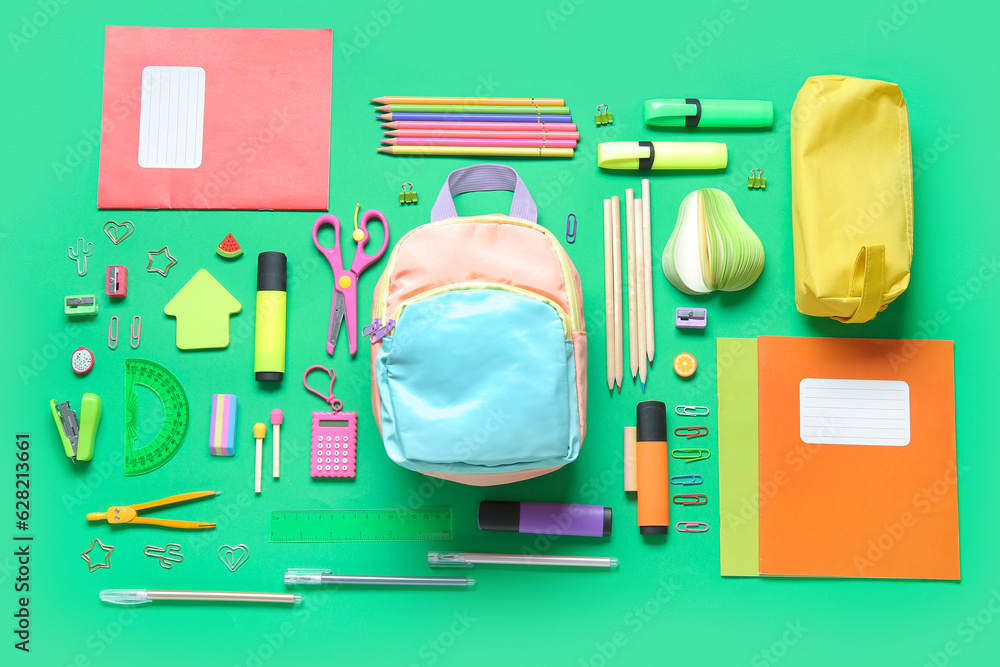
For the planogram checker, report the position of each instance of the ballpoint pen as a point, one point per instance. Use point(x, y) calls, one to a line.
point(319, 576)
point(442, 559)
point(131, 596)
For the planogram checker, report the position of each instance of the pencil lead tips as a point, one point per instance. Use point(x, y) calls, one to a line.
point(390, 142)
point(378, 100)
point(384, 107)
point(643, 386)
point(385, 116)
point(384, 149)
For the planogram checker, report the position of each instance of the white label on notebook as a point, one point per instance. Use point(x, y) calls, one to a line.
point(854, 412)
point(172, 117)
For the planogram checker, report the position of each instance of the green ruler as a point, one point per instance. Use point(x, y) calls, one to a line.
point(425, 525)
point(145, 458)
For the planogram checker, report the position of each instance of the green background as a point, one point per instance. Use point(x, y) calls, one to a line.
point(667, 602)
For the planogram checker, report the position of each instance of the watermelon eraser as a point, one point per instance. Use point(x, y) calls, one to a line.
point(229, 248)
point(222, 432)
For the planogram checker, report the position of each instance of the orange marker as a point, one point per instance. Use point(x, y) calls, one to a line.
point(652, 476)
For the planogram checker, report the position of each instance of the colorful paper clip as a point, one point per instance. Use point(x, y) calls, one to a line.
point(756, 181)
point(691, 431)
point(692, 410)
point(686, 480)
point(691, 499)
point(377, 331)
point(408, 196)
point(689, 455)
point(603, 117)
point(692, 527)
point(135, 332)
point(571, 228)
point(113, 333)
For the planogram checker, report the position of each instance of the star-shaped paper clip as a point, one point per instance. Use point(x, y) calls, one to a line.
point(94, 566)
point(171, 260)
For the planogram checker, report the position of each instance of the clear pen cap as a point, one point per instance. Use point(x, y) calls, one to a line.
point(124, 596)
point(305, 575)
point(447, 559)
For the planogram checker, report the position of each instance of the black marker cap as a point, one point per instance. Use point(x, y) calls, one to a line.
point(272, 271)
point(502, 515)
point(654, 530)
point(651, 422)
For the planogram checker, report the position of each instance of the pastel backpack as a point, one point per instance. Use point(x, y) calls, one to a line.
point(483, 378)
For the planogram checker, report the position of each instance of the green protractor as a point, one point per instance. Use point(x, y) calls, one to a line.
point(148, 457)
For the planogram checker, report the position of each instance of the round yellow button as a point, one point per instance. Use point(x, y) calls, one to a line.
point(345, 282)
point(685, 364)
point(358, 235)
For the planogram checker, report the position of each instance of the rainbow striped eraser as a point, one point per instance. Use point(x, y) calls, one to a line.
point(222, 432)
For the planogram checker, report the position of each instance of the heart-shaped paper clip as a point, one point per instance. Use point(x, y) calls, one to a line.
point(334, 402)
point(232, 556)
point(112, 229)
point(691, 431)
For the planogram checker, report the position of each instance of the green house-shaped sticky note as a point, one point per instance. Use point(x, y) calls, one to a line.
point(202, 308)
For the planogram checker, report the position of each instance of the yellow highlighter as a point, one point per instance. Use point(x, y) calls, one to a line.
point(644, 155)
point(269, 335)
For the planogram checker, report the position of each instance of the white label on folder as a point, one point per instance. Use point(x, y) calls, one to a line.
point(854, 412)
point(172, 117)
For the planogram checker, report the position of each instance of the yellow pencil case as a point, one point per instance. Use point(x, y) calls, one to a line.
point(852, 197)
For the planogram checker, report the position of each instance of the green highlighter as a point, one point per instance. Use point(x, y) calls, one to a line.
point(694, 112)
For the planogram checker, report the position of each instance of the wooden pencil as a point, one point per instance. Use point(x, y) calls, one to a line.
point(616, 245)
point(647, 233)
point(506, 101)
point(467, 108)
point(476, 151)
point(609, 302)
point(640, 294)
point(633, 339)
point(475, 141)
point(484, 134)
point(513, 126)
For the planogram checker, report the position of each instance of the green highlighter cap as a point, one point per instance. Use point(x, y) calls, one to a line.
point(693, 112)
point(644, 155)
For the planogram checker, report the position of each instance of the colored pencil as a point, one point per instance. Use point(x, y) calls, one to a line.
point(506, 101)
point(459, 108)
point(469, 141)
point(609, 304)
point(483, 134)
point(646, 227)
point(640, 293)
point(633, 337)
point(477, 151)
point(484, 117)
point(424, 125)
point(616, 248)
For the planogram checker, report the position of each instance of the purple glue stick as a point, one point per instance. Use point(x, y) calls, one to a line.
point(545, 518)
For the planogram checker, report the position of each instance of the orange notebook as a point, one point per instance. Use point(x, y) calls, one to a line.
point(857, 473)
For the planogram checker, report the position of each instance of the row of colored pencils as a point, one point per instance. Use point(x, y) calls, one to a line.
point(638, 250)
point(477, 126)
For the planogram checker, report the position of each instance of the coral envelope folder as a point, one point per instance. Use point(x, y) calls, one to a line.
point(216, 118)
point(857, 473)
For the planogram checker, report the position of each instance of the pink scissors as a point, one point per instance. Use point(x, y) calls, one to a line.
point(345, 283)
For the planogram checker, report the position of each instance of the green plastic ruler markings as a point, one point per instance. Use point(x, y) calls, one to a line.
point(146, 458)
point(425, 525)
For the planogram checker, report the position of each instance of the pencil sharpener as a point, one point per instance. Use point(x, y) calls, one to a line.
point(691, 318)
point(116, 281)
point(80, 304)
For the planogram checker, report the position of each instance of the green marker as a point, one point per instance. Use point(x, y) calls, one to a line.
point(694, 112)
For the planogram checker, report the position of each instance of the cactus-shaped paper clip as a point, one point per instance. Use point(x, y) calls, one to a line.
point(82, 252)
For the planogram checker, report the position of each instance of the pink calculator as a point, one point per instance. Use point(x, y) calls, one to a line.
point(334, 444)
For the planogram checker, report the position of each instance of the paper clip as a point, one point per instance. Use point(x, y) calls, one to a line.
point(408, 196)
point(692, 410)
point(136, 332)
point(686, 480)
point(689, 455)
point(571, 229)
point(692, 527)
point(756, 181)
point(603, 117)
point(691, 431)
point(691, 499)
point(113, 333)
point(83, 250)
point(167, 555)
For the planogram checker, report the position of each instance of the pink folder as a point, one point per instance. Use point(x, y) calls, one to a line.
point(216, 118)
